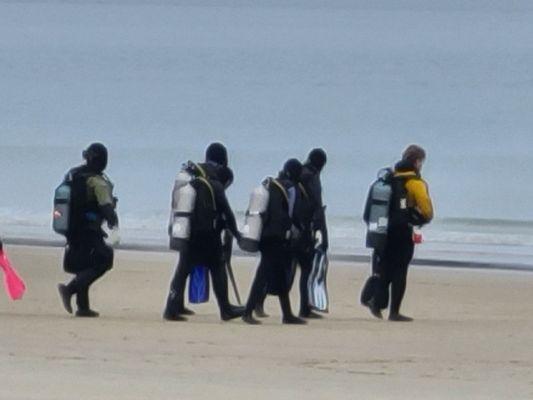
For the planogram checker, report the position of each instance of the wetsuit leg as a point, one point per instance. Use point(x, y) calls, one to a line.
point(175, 299)
point(219, 278)
point(100, 258)
point(305, 260)
point(404, 255)
point(81, 283)
point(259, 287)
point(285, 304)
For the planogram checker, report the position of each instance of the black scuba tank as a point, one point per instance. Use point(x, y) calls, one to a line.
point(378, 208)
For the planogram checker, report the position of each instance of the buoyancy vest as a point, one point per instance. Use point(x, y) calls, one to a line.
point(82, 214)
point(401, 214)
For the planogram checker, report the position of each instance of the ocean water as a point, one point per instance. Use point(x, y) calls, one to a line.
point(157, 81)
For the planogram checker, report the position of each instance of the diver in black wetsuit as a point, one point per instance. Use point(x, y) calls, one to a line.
point(212, 214)
point(87, 255)
point(309, 218)
point(274, 272)
point(310, 179)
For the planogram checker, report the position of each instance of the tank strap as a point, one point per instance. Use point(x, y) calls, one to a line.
point(198, 168)
point(281, 188)
point(211, 190)
point(304, 192)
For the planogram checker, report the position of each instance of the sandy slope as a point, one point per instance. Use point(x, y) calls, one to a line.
point(471, 340)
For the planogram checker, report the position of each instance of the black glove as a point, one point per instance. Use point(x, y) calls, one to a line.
point(416, 218)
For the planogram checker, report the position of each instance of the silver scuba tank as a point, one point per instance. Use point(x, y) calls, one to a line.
point(378, 221)
point(61, 214)
point(253, 223)
point(183, 201)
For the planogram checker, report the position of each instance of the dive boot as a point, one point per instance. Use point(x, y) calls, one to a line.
point(310, 315)
point(292, 320)
point(232, 312)
point(185, 311)
point(66, 297)
point(173, 317)
point(87, 313)
point(250, 320)
point(260, 312)
point(399, 318)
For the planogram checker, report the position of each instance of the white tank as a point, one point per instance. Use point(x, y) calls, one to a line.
point(61, 215)
point(378, 221)
point(183, 201)
point(253, 223)
point(182, 179)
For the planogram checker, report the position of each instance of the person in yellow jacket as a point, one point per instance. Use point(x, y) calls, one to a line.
point(411, 206)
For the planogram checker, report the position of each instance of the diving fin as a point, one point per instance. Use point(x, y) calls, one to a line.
point(199, 285)
point(14, 284)
point(317, 284)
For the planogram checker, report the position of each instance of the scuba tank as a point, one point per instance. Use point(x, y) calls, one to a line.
point(180, 231)
point(61, 214)
point(253, 223)
point(378, 209)
point(182, 207)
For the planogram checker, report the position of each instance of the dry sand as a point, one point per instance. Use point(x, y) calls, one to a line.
point(472, 339)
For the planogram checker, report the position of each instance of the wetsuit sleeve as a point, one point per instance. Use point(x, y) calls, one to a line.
point(225, 210)
point(366, 213)
point(419, 192)
point(104, 197)
point(314, 187)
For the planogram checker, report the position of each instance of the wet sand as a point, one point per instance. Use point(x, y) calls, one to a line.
point(472, 339)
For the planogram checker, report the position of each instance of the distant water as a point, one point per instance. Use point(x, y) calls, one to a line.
point(157, 81)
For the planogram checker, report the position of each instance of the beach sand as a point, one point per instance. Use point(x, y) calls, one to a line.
point(472, 339)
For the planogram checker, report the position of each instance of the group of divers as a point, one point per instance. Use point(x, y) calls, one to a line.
point(290, 228)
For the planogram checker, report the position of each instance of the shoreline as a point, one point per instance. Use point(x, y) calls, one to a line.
point(355, 258)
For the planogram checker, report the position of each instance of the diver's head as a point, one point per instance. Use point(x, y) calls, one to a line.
point(292, 170)
point(217, 153)
point(96, 157)
point(414, 155)
point(317, 158)
point(225, 176)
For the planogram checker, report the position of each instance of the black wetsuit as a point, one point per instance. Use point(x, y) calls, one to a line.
point(86, 254)
point(303, 248)
point(302, 245)
point(392, 265)
point(205, 245)
point(274, 272)
point(310, 179)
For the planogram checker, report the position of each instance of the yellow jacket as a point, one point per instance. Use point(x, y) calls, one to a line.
point(417, 194)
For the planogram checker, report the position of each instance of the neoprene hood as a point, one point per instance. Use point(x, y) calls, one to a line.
point(292, 170)
point(217, 153)
point(317, 158)
point(96, 157)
